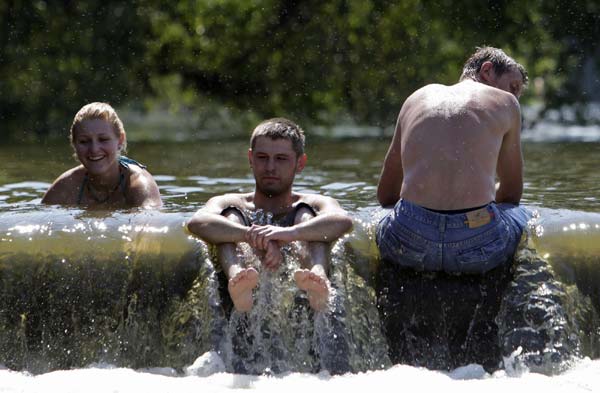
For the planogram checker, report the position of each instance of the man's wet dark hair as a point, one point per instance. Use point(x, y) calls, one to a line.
point(500, 60)
point(280, 128)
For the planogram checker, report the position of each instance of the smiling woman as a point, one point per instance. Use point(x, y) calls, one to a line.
point(105, 178)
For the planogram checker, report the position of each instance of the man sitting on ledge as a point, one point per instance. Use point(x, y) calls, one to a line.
point(276, 156)
point(439, 172)
point(447, 244)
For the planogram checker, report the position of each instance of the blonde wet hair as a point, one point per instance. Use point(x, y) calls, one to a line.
point(99, 111)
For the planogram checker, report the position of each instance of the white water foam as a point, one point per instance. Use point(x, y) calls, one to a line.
point(583, 377)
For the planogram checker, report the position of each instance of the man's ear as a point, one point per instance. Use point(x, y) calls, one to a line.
point(250, 157)
point(487, 74)
point(301, 163)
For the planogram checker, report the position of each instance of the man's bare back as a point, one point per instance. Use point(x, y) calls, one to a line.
point(449, 144)
point(450, 225)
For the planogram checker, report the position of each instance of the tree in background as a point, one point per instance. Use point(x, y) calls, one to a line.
point(318, 62)
point(57, 55)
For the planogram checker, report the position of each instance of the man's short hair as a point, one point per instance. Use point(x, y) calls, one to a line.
point(99, 111)
point(500, 60)
point(280, 128)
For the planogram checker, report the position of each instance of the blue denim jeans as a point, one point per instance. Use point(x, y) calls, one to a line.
point(414, 237)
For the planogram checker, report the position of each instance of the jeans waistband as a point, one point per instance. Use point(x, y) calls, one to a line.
point(457, 220)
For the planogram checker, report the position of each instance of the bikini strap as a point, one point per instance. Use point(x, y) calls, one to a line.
point(85, 181)
point(126, 161)
point(122, 184)
point(82, 188)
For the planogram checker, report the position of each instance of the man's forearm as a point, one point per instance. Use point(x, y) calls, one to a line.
point(323, 228)
point(387, 199)
point(508, 196)
point(216, 229)
point(388, 189)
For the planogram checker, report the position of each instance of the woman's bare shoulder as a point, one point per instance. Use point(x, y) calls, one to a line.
point(142, 189)
point(66, 188)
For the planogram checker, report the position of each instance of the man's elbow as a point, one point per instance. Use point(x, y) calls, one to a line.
point(387, 200)
point(199, 225)
point(346, 224)
point(339, 224)
point(513, 197)
point(513, 200)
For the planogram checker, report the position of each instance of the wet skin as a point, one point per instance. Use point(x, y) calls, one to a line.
point(274, 165)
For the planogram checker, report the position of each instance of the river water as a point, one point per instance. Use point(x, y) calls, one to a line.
point(562, 182)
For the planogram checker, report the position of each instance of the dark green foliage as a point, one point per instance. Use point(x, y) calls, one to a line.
point(314, 61)
point(56, 56)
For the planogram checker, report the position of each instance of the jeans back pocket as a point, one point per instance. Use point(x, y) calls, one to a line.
point(491, 251)
point(402, 248)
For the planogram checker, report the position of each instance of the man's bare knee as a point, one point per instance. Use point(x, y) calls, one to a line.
point(303, 214)
point(227, 253)
point(233, 215)
point(317, 252)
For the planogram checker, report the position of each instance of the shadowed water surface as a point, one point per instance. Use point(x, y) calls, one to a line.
point(557, 174)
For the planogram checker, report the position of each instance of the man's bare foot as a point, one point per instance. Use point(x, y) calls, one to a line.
point(240, 288)
point(315, 285)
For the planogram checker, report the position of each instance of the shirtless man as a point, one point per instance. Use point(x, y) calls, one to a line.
point(276, 156)
point(439, 173)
